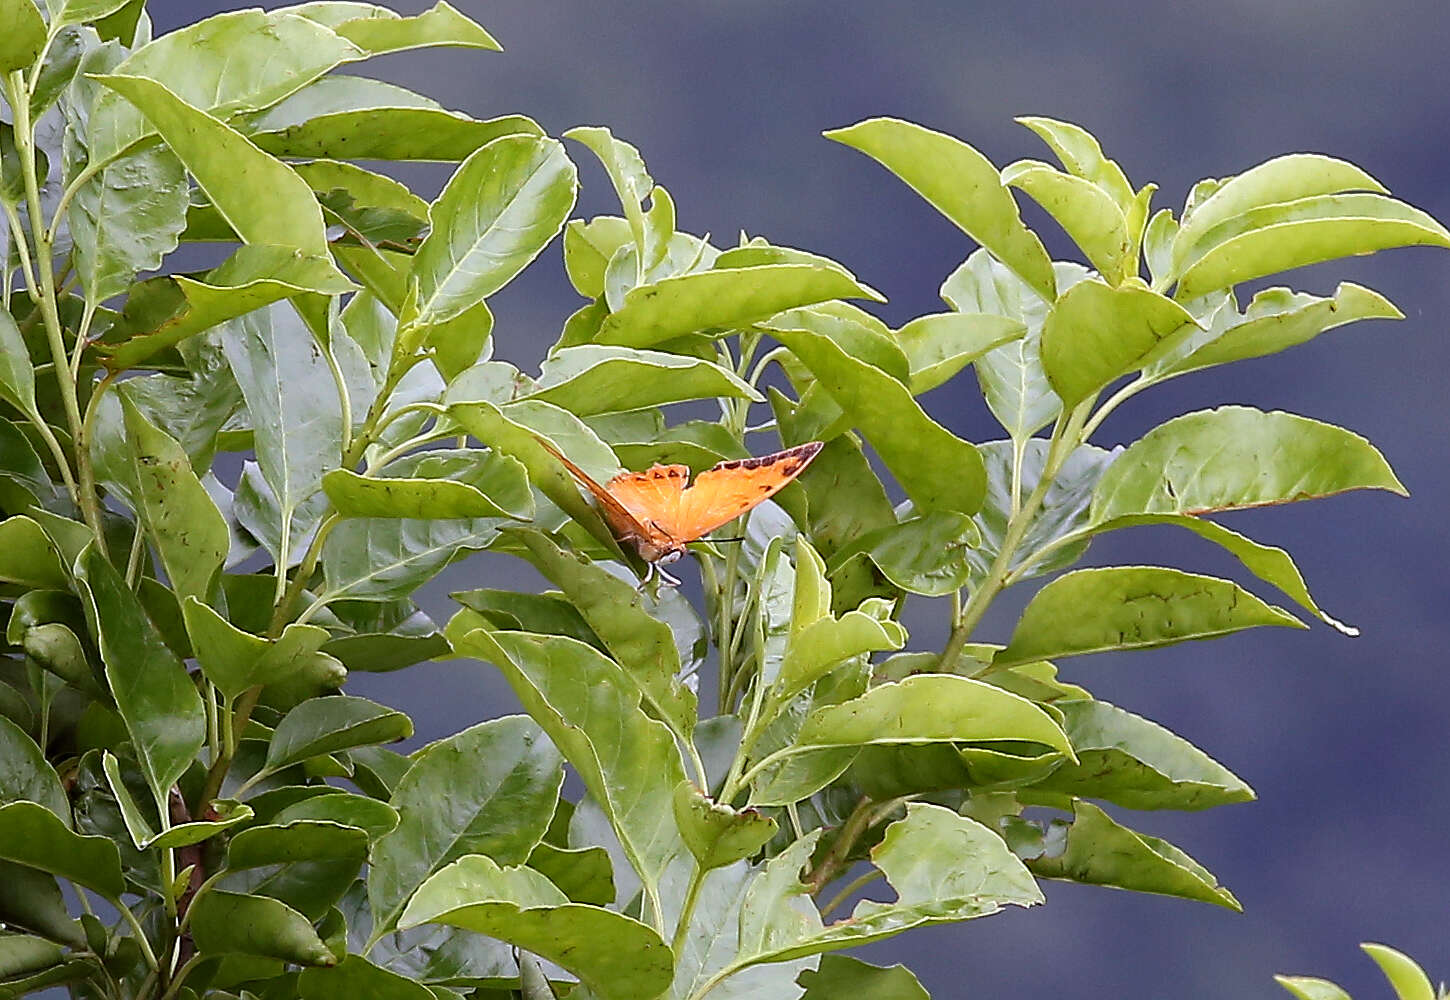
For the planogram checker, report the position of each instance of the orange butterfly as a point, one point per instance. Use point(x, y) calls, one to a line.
point(658, 514)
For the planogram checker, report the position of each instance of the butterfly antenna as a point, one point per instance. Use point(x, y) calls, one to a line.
point(722, 540)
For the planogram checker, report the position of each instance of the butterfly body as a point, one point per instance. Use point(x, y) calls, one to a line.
point(658, 512)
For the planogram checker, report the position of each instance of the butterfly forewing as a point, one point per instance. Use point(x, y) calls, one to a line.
point(730, 489)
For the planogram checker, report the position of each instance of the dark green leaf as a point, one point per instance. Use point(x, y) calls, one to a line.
point(355, 976)
point(381, 559)
point(235, 660)
point(327, 725)
point(377, 121)
point(489, 789)
point(190, 533)
point(127, 219)
point(229, 922)
point(1132, 607)
point(583, 874)
point(921, 555)
point(25, 774)
point(27, 556)
point(22, 955)
point(614, 955)
point(373, 817)
point(960, 183)
point(305, 864)
point(1099, 851)
point(17, 373)
point(31, 899)
point(158, 701)
point(32, 835)
point(841, 976)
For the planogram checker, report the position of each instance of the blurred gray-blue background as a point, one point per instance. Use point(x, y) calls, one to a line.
point(1345, 740)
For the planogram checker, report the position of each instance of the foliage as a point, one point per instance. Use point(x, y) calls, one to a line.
point(222, 489)
point(1404, 975)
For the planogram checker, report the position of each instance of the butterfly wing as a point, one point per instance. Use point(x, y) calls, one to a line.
point(730, 489)
point(652, 496)
point(619, 518)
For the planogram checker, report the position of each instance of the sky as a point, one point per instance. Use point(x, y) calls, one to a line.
point(1343, 739)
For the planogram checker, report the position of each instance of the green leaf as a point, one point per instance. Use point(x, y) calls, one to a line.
point(181, 835)
point(841, 975)
point(1282, 179)
point(326, 725)
point(1279, 237)
point(31, 899)
point(627, 173)
point(960, 183)
point(28, 557)
point(1081, 156)
point(1064, 508)
point(1211, 460)
point(340, 117)
point(232, 923)
point(592, 379)
point(1309, 988)
point(381, 559)
point(1138, 764)
point(157, 700)
point(628, 761)
point(724, 299)
point(504, 204)
point(942, 344)
point(293, 404)
point(17, 373)
point(237, 176)
point(930, 708)
point(922, 555)
point(1013, 382)
point(162, 312)
point(515, 429)
point(490, 789)
point(642, 644)
point(190, 533)
point(937, 469)
point(32, 835)
point(588, 246)
point(25, 774)
point(355, 976)
point(235, 660)
point(378, 30)
point(24, 34)
point(306, 864)
point(583, 874)
point(615, 956)
point(944, 867)
point(22, 954)
point(127, 219)
point(1087, 213)
point(1094, 333)
point(716, 834)
point(373, 817)
point(1099, 851)
point(814, 650)
point(1406, 977)
point(224, 64)
point(501, 491)
point(1132, 607)
point(67, 12)
point(1275, 320)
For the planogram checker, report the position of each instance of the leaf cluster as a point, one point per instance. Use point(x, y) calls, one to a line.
point(176, 749)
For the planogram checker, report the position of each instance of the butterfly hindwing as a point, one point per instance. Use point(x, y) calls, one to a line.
point(721, 494)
